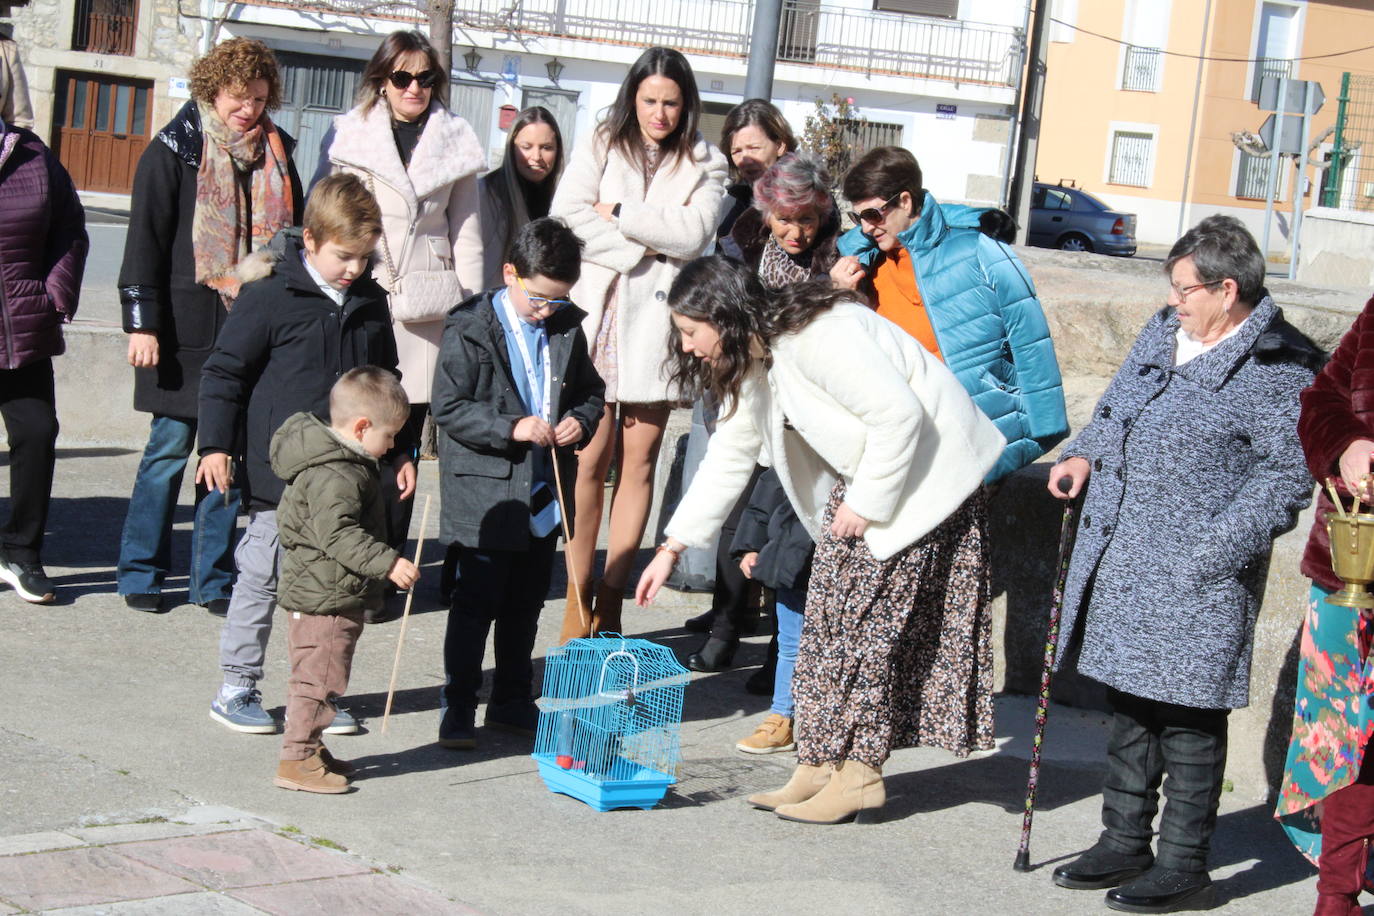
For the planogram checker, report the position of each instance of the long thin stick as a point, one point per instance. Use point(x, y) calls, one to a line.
point(405, 618)
point(567, 542)
point(1042, 709)
point(1335, 497)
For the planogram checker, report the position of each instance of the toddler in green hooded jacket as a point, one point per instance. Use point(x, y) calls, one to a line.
point(332, 526)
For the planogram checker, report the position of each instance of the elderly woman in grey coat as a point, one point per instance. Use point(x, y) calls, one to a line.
point(1192, 466)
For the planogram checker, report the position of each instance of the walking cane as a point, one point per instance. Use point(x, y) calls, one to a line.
point(1066, 535)
point(567, 541)
point(405, 618)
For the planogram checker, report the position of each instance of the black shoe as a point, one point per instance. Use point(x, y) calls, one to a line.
point(714, 655)
point(1164, 890)
point(519, 717)
point(28, 579)
point(149, 603)
point(1101, 867)
point(219, 607)
point(760, 683)
point(701, 623)
point(458, 728)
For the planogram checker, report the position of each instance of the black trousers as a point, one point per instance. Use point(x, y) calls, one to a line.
point(730, 595)
point(399, 511)
point(1184, 747)
point(28, 404)
point(507, 588)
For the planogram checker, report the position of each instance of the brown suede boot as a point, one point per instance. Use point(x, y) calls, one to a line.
point(806, 781)
point(855, 793)
point(577, 617)
point(607, 612)
point(310, 775)
point(335, 765)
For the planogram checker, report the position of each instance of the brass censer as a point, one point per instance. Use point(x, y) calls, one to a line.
point(1352, 554)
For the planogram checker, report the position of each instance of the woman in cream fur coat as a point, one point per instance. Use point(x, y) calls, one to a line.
point(643, 194)
point(882, 454)
point(421, 162)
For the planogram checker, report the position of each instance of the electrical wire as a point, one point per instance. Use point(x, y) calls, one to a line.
point(1231, 60)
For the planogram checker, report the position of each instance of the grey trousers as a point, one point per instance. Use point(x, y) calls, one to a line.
point(1181, 746)
point(243, 641)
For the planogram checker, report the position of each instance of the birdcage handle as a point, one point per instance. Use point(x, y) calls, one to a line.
point(601, 681)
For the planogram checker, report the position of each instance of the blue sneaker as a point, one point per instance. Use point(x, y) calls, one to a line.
point(243, 713)
point(344, 723)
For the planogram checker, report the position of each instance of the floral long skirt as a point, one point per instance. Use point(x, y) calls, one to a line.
point(897, 653)
point(1332, 719)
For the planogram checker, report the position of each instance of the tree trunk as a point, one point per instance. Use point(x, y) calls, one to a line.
point(441, 31)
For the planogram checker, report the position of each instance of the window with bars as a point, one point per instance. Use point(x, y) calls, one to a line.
point(1252, 178)
point(1132, 158)
point(105, 26)
point(863, 136)
point(1141, 69)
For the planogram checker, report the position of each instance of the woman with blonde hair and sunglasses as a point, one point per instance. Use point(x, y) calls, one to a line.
point(421, 162)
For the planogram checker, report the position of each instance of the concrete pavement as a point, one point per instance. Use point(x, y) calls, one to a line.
point(105, 722)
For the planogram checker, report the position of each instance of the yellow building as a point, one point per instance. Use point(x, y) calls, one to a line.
point(1143, 98)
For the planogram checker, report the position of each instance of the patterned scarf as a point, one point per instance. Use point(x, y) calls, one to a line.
point(777, 268)
point(221, 232)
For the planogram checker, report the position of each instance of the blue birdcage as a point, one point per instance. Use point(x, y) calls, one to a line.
point(609, 721)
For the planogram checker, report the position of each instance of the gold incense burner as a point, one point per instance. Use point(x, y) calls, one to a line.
point(1352, 557)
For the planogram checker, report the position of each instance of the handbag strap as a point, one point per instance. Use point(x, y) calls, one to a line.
point(386, 249)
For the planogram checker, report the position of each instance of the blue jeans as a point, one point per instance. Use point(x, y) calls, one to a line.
point(789, 602)
point(145, 548)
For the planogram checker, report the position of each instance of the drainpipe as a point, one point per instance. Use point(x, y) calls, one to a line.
point(1010, 157)
point(207, 26)
point(763, 49)
point(1183, 205)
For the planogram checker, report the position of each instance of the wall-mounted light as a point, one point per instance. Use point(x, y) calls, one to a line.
point(472, 60)
point(555, 70)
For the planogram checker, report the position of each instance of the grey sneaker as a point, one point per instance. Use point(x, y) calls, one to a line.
point(244, 713)
point(344, 723)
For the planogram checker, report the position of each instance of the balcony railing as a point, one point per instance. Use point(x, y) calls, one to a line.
point(1141, 69)
point(810, 33)
point(105, 26)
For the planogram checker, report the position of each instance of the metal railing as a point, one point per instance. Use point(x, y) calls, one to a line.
point(811, 32)
point(1141, 69)
point(1269, 66)
point(1348, 182)
point(104, 26)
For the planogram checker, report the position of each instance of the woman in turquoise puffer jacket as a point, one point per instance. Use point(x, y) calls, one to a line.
point(964, 296)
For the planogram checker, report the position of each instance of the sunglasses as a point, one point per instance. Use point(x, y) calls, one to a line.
point(539, 303)
point(875, 215)
point(426, 78)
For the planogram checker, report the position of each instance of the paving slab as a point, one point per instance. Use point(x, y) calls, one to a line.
point(205, 903)
point(224, 860)
point(373, 894)
point(75, 877)
point(37, 842)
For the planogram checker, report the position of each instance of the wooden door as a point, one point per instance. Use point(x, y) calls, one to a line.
point(101, 128)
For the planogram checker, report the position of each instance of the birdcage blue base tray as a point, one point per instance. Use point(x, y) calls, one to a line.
point(644, 789)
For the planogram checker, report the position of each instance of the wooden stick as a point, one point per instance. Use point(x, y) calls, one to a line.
point(405, 618)
point(567, 542)
point(1335, 497)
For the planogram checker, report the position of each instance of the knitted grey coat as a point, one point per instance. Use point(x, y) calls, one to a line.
point(1195, 469)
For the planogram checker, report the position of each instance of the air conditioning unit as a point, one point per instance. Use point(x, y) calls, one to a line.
point(1369, 189)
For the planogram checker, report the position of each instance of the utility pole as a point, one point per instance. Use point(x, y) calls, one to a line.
point(1018, 201)
point(763, 50)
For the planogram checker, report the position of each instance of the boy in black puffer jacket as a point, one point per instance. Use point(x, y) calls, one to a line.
point(311, 313)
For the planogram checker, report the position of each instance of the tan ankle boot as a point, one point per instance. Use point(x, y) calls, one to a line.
point(607, 612)
point(855, 793)
point(806, 781)
point(310, 775)
point(577, 615)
